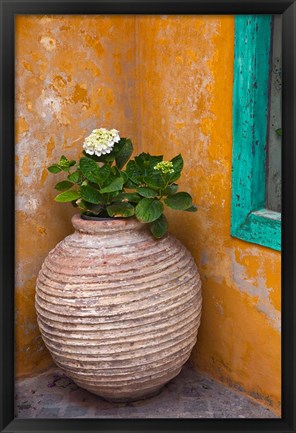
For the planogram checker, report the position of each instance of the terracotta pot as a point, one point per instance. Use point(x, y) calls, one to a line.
point(118, 310)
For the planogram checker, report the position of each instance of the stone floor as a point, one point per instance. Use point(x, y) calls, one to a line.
point(189, 395)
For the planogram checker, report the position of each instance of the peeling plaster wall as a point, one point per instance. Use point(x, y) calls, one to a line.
point(166, 82)
point(73, 73)
point(185, 71)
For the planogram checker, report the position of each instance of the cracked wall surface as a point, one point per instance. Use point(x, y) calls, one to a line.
point(73, 74)
point(165, 82)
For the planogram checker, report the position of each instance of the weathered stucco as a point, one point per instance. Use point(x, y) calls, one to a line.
point(166, 82)
point(73, 74)
point(186, 106)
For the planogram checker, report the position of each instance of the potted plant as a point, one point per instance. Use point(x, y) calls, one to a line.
point(119, 301)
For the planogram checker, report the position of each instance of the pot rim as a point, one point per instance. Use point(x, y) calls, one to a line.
point(106, 225)
point(96, 218)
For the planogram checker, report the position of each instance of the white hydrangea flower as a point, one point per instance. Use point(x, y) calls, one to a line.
point(101, 141)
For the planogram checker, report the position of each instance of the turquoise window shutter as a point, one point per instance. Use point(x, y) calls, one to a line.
point(250, 220)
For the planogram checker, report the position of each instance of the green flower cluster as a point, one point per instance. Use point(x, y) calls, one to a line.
point(165, 167)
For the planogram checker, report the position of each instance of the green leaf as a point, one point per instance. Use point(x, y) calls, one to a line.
point(178, 163)
point(124, 154)
point(170, 190)
point(146, 192)
point(67, 196)
point(54, 169)
point(124, 176)
point(104, 175)
point(90, 194)
point(64, 185)
point(121, 210)
point(179, 201)
point(95, 209)
point(129, 184)
point(112, 195)
point(155, 180)
point(279, 132)
point(191, 209)
point(147, 161)
point(134, 172)
point(115, 185)
point(148, 210)
point(114, 171)
point(178, 166)
point(127, 197)
point(75, 177)
point(174, 176)
point(159, 227)
point(72, 162)
point(90, 169)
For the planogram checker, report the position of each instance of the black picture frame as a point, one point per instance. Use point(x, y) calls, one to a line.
point(9, 8)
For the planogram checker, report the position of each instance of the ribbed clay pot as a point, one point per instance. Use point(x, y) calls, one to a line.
point(118, 310)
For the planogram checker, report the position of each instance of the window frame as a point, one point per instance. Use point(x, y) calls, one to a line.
point(250, 221)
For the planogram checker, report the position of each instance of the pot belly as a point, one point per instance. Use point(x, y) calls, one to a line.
point(119, 321)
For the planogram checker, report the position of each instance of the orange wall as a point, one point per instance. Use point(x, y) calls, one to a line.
point(167, 83)
point(73, 74)
point(186, 106)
